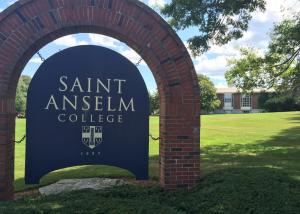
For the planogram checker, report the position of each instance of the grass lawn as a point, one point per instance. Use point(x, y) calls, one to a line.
point(250, 163)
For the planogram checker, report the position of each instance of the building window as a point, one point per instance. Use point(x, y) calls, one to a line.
point(246, 100)
point(227, 101)
point(227, 98)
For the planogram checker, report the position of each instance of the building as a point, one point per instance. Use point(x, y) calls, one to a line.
point(234, 101)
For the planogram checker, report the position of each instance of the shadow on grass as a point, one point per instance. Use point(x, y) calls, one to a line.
point(296, 119)
point(281, 152)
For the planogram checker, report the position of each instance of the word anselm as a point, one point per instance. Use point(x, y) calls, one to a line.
point(90, 96)
point(86, 104)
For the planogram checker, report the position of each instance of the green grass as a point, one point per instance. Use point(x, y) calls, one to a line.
point(252, 140)
point(249, 164)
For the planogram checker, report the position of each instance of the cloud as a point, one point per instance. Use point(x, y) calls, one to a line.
point(69, 41)
point(214, 63)
point(123, 49)
point(276, 11)
point(12, 2)
point(156, 3)
point(102, 40)
point(36, 60)
point(133, 56)
point(212, 67)
point(221, 85)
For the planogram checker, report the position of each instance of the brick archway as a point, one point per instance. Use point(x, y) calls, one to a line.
point(28, 25)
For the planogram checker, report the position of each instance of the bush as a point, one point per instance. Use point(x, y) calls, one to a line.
point(281, 103)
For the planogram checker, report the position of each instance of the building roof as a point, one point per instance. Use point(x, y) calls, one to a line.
point(235, 90)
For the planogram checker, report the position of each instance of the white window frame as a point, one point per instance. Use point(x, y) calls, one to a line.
point(228, 98)
point(246, 102)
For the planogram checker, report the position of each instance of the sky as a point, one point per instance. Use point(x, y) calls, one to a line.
point(212, 63)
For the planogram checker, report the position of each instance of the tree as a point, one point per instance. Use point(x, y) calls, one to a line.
point(278, 68)
point(154, 102)
point(244, 72)
point(209, 100)
point(21, 95)
point(218, 21)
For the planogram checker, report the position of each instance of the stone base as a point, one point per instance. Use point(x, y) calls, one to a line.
point(68, 185)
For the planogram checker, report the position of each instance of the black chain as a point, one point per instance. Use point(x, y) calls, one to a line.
point(20, 141)
point(41, 57)
point(153, 138)
point(24, 137)
point(139, 62)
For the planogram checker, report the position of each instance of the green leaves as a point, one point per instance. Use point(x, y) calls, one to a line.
point(21, 95)
point(279, 67)
point(218, 21)
point(154, 103)
point(209, 100)
point(247, 71)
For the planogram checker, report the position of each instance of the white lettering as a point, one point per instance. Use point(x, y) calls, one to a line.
point(78, 85)
point(100, 118)
point(109, 105)
point(86, 105)
point(66, 100)
point(110, 118)
point(52, 102)
point(120, 118)
point(73, 118)
point(97, 103)
point(63, 83)
point(119, 85)
point(122, 104)
point(60, 118)
point(92, 119)
point(89, 85)
point(83, 118)
point(106, 88)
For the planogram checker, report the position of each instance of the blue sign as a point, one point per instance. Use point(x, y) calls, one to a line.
point(87, 105)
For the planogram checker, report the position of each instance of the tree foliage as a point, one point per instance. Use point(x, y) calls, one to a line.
point(21, 95)
point(218, 21)
point(246, 72)
point(209, 100)
point(278, 68)
point(154, 103)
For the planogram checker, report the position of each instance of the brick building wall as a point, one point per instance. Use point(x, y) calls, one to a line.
point(237, 101)
point(255, 98)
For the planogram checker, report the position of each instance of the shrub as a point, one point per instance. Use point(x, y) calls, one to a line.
point(281, 103)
